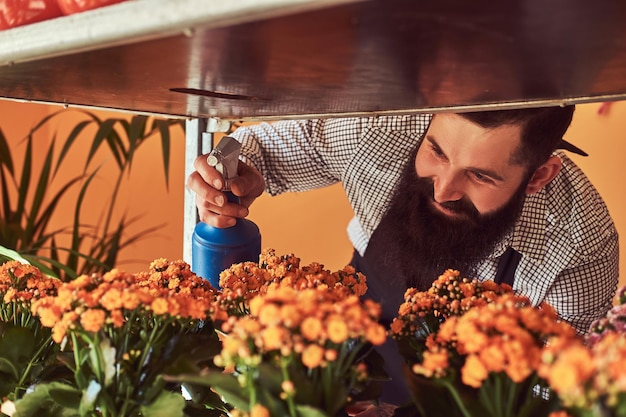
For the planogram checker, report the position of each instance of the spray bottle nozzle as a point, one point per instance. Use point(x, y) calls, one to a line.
point(225, 158)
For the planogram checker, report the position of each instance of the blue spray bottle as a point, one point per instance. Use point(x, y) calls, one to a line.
point(216, 249)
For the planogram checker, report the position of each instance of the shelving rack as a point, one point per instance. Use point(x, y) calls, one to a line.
point(216, 61)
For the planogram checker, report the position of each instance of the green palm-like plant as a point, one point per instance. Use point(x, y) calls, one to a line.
point(26, 213)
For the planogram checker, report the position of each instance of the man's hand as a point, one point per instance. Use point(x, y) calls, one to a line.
point(207, 183)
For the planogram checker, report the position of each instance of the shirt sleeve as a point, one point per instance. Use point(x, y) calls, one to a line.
point(585, 292)
point(298, 155)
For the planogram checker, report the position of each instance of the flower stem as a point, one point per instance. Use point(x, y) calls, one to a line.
point(31, 362)
point(457, 399)
point(290, 403)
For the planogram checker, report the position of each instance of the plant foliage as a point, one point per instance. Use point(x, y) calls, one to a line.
point(31, 197)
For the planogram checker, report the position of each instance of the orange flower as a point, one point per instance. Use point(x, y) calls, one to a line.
point(573, 367)
point(311, 328)
point(376, 334)
point(49, 315)
point(269, 314)
point(474, 372)
point(272, 338)
point(434, 362)
point(92, 320)
point(259, 411)
point(559, 413)
point(396, 326)
point(312, 356)
point(493, 356)
point(112, 299)
point(159, 306)
point(337, 329)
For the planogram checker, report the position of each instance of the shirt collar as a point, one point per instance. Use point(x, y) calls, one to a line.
point(528, 235)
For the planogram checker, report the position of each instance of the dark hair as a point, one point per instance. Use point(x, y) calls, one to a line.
point(542, 130)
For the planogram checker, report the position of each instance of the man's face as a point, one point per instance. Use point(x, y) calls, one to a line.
point(469, 166)
point(454, 202)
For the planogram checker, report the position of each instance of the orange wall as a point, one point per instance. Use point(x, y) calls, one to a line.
point(311, 225)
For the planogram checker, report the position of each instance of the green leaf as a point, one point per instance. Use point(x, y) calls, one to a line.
point(224, 384)
point(47, 400)
point(89, 397)
point(17, 344)
point(11, 254)
point(41, 188)
point(5, 153)
point(308, 411)
point(77, 130)
point(26, 212)
point(7, 366)
point(24, 184)
point(167, 404)
point(136, 135)
point(105, 131)
point(164, 128)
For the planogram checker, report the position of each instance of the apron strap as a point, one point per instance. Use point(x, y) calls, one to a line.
point(505, 272)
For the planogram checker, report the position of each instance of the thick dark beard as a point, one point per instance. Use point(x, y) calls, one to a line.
point(422, 242)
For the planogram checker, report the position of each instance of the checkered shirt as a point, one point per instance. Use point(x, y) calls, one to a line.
point(567, 239)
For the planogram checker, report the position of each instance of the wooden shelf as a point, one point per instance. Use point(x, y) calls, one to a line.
point(262, 59)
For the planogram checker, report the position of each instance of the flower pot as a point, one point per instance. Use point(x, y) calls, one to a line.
point(77, 6)
point(22, 12)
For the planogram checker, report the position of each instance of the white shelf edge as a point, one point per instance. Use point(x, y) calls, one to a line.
point(139, 20)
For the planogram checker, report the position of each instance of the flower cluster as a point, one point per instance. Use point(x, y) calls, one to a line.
point(244, 281)
point(96, 301)
point(22, 283)
point(312, 340)
point(24, 343)
point(506, 335)
point(614, 321)
point(310, 323)
point(475, 346)
point(589, 376)
point(296, 338)
point(449, 295)
point(125, 332)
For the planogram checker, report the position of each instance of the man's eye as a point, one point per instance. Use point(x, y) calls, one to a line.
point(480, 177)
point(437, 151)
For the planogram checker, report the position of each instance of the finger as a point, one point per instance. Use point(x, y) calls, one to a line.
point(204, 191)
point(228, 209)
point(209, 174)
point(220, 216)
point(248, 185)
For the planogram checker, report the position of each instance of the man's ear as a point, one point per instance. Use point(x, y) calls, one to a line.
point(544, 174)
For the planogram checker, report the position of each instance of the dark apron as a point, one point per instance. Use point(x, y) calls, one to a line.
point(386, 285)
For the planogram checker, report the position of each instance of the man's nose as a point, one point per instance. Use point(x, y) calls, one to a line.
point(447, 187)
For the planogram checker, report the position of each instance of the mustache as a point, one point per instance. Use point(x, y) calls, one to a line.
point(426, 187)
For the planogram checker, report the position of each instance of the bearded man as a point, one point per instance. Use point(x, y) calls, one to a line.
point(486, 193)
